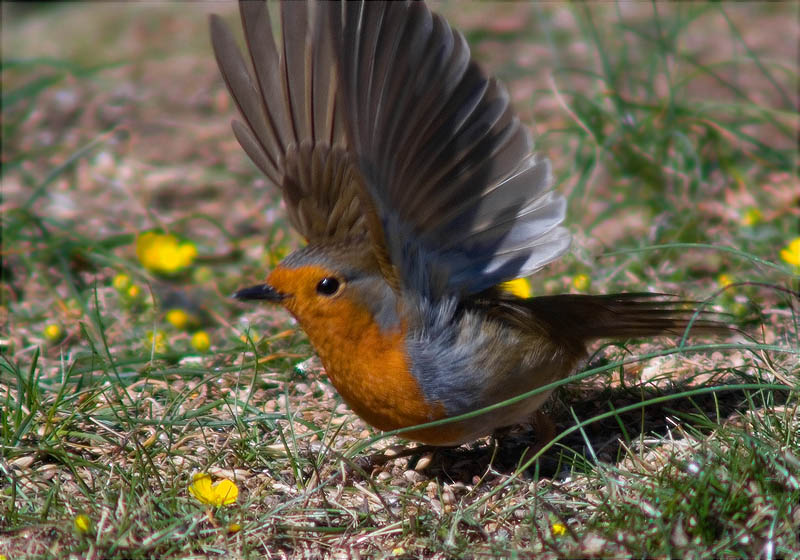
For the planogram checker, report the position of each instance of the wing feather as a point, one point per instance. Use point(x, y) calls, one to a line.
point(373, 119)
point(292, 125)
point(462, 202)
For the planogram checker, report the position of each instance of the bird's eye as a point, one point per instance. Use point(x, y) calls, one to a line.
point(328, 286)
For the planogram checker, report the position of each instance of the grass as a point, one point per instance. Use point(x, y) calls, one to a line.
point(667, 125)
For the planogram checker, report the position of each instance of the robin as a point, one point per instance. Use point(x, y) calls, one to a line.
point(404, 167)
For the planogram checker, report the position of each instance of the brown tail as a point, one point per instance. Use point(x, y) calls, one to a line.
point(616, 316)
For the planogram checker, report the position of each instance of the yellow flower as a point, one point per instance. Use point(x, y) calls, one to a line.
point(178, 318)
point(82, 523)
point(200, 341)
point(751, 217)
point(163, 253)
point(182, 319)
point(53, 332)
point(558, 529)
point(581, 282)
point(724, 280)
point(134, 292)
point(160, 343)
point(521, 287)
point(791, 254)
point(234, 528)
point(253, 334)
point(121, 283)
point(398, 551)
point(222, 493)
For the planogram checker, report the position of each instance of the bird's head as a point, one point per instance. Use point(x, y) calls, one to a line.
point(328, 287)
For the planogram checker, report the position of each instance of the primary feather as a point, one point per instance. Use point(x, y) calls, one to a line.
point(462, 201)
point(373, 120)
point(292, 127)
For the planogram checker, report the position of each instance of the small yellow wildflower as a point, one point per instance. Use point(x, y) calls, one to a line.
point(178, 318)
point(159, 343)
point(398, 551)
point(3, 557)
point(558, 529)
point(581, 282)
point(53, 332)
point(182, 319)
point(82, 523)
point(234, 528)
point(222, 493)
point(791, 254)
point(201, 341)
point(751, 217)
point(134, 292)
point(121, 283)
point(521, 287)
point(253, 334)
point(163, 253)
point(724, 280)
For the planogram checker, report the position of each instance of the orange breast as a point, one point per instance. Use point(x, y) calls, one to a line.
point(370, 370)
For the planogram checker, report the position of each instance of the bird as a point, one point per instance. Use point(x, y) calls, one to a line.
point(418, 192)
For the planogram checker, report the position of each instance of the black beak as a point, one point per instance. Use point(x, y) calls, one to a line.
point(262, 291)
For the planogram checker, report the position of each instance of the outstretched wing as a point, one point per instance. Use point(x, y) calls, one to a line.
point(292, 124)
point(462, 201)
point(374, 119)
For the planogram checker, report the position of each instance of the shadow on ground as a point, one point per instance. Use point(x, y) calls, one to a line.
point(502, 454)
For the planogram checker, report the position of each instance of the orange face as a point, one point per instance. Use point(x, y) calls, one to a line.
point(311, 293)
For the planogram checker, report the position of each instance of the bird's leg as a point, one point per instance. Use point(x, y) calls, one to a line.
point(501, 433)
point(393, 453)
point(544, 427)
point(545, 430)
